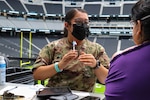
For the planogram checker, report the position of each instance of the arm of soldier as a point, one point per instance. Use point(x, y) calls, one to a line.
point(46, 71)
point(89, 60)
point(101, 73)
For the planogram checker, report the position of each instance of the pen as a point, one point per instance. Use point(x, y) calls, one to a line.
point(11, 89)
point(7, 94)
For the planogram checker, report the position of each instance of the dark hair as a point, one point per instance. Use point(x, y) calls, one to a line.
point(69, 16)
point(141, 11)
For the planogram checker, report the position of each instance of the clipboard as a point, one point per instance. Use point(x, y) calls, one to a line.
point(53, 91)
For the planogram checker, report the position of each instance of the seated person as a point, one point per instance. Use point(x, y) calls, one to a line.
point(129, 73)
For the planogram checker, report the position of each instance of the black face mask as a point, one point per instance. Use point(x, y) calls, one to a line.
point(80, 31)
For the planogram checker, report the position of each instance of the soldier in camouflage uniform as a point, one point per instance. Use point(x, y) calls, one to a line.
point(65, 66)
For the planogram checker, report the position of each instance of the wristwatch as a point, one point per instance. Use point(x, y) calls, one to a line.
point(98, 63)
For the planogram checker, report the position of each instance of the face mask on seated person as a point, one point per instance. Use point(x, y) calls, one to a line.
point(80, 31)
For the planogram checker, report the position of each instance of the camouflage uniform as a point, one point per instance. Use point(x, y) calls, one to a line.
point(76, 75)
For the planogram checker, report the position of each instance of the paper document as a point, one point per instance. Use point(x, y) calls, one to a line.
point(29, 92)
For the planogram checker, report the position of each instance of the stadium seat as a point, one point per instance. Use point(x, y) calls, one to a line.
point(93, 9)
point(52, 8)
point(127, 8)
point(19, 6)
point(35, 8)
point(111, 10)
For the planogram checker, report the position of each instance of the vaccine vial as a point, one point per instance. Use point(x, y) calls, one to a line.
point(2, 70)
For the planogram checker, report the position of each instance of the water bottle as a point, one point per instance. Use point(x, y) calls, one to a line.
point(2, 70)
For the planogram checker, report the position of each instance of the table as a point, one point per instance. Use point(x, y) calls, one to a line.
point(81, 94)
